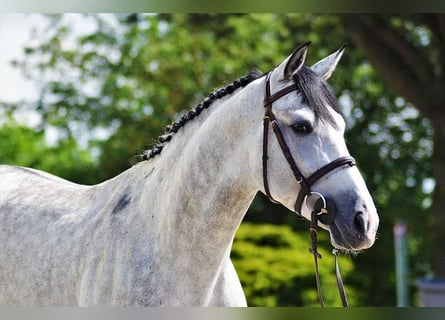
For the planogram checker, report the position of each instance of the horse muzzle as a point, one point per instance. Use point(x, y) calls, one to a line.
point(352, 228)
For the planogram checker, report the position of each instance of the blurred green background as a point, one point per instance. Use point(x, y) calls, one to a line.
point(106, 94)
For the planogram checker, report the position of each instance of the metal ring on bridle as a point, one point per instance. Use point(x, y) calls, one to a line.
point(320, 197)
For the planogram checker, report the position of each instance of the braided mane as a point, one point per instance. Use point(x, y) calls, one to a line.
point(174, 127)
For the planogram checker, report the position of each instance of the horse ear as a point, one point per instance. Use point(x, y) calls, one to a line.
point(325, 67)
point(294, 62)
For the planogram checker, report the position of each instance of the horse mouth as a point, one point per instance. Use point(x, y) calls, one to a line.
point(349, 239)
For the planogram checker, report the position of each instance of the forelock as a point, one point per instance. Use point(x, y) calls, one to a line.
point(317, 94)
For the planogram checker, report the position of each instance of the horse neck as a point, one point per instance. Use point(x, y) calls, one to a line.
point(204, 181)
point(211, 179)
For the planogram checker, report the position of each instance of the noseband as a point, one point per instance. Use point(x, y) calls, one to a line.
point(323, 210)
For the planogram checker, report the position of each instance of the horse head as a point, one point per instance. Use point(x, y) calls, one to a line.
point(307, 163)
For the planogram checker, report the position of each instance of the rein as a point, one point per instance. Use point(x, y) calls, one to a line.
point(322, 208)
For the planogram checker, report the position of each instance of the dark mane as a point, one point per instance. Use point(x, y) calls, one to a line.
point(316, 93)
point(171, 129)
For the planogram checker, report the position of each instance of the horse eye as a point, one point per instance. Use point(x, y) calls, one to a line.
point(302, 127)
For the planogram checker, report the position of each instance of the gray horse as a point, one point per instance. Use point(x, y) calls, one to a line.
point(160, 233)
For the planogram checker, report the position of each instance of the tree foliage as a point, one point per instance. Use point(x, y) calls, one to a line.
point(281, 272)
point(408, 52)
point(21, 145)
point(110, 90)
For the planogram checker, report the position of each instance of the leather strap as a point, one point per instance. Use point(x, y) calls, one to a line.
point(279, 94)
point(290, 160)
point(266, 121)
point(269, 118)
point(314, 231)
point(342, 161)
point(317, 175)
point(341, 288)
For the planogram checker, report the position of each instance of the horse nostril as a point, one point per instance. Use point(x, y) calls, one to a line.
point(361, 222)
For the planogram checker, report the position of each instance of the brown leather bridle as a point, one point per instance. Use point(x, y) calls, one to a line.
point(323, 210)
point(305, 183)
